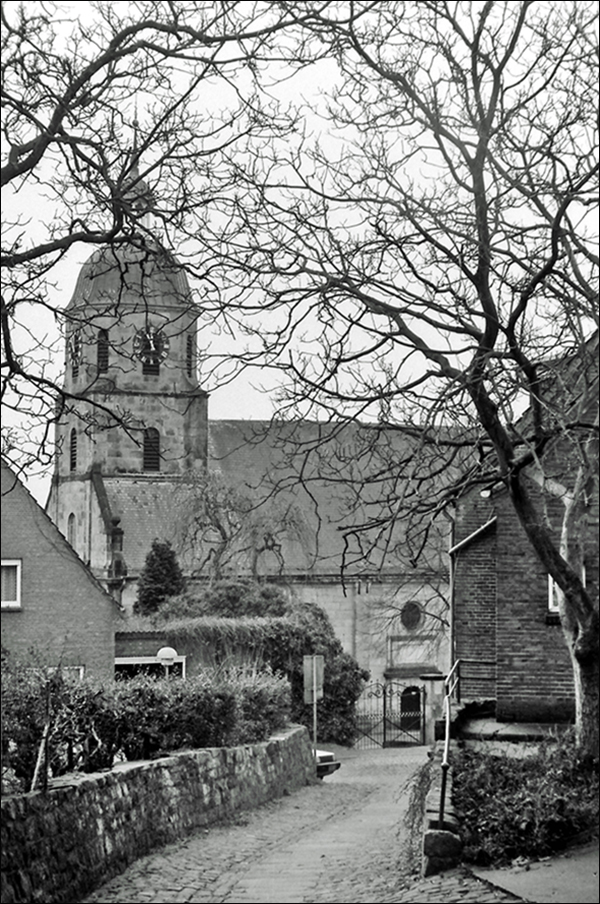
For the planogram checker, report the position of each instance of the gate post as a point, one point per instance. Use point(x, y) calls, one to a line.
point(433, 704)
point(384, 685)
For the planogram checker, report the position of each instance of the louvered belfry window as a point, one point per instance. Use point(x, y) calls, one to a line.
point(102, 351)
point(73, 451)
point(189, 354)
point(151, 449)
point(151, 368)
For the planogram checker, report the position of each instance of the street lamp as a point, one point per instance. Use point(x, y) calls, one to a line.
point(166, 656)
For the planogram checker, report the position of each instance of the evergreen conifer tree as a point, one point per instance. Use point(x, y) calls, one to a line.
point(161, 577)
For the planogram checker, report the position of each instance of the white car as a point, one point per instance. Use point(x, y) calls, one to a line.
point(326, 763)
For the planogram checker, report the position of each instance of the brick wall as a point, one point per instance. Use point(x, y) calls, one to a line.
point(510, 651)
point(474, 616)
point(57, 847)
point(535, 676)
point(65, 616)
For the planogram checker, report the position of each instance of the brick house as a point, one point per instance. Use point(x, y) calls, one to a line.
point(52, 606)
point(506, 628)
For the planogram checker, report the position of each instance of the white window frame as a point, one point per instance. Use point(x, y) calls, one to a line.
point(149, 660)
point(76, 672)
point(553, 608)
point(16, 603)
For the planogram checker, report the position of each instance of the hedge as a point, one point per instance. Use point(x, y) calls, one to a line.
point(87, 725)
point(281, 644)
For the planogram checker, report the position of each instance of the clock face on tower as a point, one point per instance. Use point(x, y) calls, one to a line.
point(151, 345)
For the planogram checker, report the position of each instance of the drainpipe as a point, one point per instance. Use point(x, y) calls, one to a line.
point(451, 518)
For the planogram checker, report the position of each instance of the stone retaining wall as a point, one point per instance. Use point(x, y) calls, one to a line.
point(442, 845)
point(59, 846)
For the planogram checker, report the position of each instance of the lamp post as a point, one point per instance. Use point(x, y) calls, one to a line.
point(166, 656)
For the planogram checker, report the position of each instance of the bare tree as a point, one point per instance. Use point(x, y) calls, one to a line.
point(118, 123)
point(429, 260)
point(223, 530)
point(416, 247)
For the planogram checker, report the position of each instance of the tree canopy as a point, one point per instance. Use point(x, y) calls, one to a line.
point(429, 259)
point(414, 244)
point(118, 122)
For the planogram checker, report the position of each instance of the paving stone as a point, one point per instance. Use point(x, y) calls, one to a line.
point(343, 841)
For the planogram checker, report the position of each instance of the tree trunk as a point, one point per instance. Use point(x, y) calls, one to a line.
point(579, 617)
point(586, 675)
point(579, 613)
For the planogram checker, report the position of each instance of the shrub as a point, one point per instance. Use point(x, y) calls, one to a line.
point(226, 599)
point(142, 709)
point(262, 704)
point(89, 724)
point(86, 728)
point(278, 642)
point(529, 806)
point(77, 720)
point(343, 678)
point(336, 712)
point(26, 705)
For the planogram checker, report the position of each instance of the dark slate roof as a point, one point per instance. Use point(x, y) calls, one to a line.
point(317, 470)
point(139, 273)
point(296, 486)
point(144, 504)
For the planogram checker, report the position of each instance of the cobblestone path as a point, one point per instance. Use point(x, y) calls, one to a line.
point(342, 840)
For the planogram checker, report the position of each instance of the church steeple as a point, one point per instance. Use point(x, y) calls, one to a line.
point(131, 355)
point(132, 341)
point(137, 192)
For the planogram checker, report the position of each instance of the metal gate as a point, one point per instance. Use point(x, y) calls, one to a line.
point(390, 714)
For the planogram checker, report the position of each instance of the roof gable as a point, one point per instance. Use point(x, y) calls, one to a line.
point(20, 510)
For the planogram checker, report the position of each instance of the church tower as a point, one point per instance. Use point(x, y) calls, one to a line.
point(133, 418)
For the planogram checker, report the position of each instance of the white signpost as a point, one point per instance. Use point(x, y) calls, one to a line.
point(313, 687)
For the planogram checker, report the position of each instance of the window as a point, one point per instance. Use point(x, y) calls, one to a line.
point(72, 530)
point(71, 673)
point(75, 353)
point(11, 583)
point(151, 449)
point(73, 451)
point(130, 666)
point(189, 355)
point(553, 613)
point(552, 597)
point(411, 616)
point(102, 351)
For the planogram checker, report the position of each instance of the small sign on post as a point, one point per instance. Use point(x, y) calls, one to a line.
point(314, 667)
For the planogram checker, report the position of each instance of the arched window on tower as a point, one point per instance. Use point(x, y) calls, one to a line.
point(73, 450)
point(102, 351)
point(151, 449)
point(72, 530)
point(189, 355)
point(74, 346)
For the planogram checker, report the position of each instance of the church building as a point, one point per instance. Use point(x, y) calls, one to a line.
point(133, 425)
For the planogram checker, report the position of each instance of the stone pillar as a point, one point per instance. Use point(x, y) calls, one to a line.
point(434, 703)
